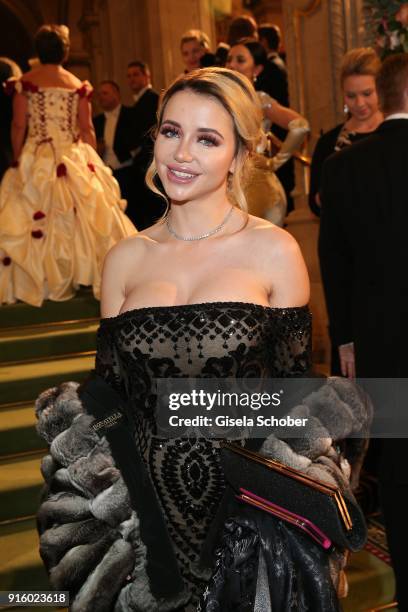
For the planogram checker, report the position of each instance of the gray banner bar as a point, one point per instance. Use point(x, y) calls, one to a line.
point(286, 407)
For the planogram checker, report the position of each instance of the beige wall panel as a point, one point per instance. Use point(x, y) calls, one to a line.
point(167, 21)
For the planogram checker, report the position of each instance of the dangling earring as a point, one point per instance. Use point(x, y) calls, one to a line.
point(255, 79)
point(346, 109)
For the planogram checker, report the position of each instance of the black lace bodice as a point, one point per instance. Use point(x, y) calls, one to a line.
point(211, 340)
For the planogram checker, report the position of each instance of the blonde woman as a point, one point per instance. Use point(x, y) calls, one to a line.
point(362, 114)
point(207, 292)
point(194, 45)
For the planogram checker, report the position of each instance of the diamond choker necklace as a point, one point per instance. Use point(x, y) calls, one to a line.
point(202, 236)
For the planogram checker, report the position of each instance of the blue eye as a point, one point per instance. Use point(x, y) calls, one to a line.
point(169, 132)
point(209, 141)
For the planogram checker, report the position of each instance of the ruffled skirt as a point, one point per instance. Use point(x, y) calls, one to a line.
point(60, 213)
point(265, 196)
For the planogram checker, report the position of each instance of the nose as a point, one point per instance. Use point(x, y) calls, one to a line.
point(182, 153)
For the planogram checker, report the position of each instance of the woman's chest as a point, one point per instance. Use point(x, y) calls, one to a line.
point(189, 279)
point(193, 342)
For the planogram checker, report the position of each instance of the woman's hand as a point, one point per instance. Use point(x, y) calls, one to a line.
point(298, 128)
point(347, 360)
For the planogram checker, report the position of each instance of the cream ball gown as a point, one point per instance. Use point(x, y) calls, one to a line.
point(60, 207)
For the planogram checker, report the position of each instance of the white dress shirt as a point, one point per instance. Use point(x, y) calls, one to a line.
point(397, 116)
point(111, 120)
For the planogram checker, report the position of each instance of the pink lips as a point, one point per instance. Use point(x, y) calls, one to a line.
point(180, 176)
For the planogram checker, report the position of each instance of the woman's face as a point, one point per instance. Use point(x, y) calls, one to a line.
point(360, 95)
point(241, 60)
point(192, 52)
point(195, 147)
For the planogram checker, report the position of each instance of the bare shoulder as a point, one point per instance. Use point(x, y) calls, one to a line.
point(155, 233)
point(71, 78)
point(31, 75)
point(278, 256)
point(128, 251)
point(120, 266)
point(270, 239)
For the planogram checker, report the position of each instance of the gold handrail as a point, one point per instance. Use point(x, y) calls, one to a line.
point(390, 606)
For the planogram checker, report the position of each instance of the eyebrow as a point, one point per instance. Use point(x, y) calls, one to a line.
point(206, 130)
point(368, 89)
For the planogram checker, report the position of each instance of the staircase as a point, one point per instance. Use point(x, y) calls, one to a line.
point(40, 348)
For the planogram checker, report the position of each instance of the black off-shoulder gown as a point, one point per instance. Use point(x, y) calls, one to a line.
point(210, 340)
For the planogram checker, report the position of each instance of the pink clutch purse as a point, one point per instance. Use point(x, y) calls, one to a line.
point(285, 515)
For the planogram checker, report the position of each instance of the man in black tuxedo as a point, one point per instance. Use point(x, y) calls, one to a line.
point(363, 250)
point(115, 135)
point(149, 207)
point(276, 73)
point(274, 81)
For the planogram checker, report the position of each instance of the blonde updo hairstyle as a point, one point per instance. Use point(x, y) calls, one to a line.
point(237, 95)
point(362, 61)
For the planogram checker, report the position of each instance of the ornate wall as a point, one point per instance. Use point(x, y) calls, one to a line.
point(318, 33)
point(107, 34)
point(115, 32)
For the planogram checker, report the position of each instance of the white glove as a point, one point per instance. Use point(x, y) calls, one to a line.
point(298, 128)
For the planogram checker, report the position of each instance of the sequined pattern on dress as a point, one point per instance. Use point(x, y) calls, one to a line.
point(210, 340)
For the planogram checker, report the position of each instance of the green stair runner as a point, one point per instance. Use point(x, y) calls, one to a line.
point(83, 306)
point(62, 335)
point(24, 382)
point(20, 487)
point(38, 342)
point(39, 348)
point(17, 429)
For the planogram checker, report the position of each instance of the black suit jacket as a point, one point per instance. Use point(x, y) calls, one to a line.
point(363, 248)
point(145, 118)
point(145, 110)
point(126, 135)
point(274, 81)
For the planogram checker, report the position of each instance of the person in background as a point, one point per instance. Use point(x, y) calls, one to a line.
point(266, 196)
point(60, 206)
point(270, 38)
point(363, 250)
point(274, 81)
point(115, 139)
point(8, 69)
point(221, 54)
point(147, 207)
point(243, 26)
point(363, 116)
point(194, 45)
point(145, 98)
